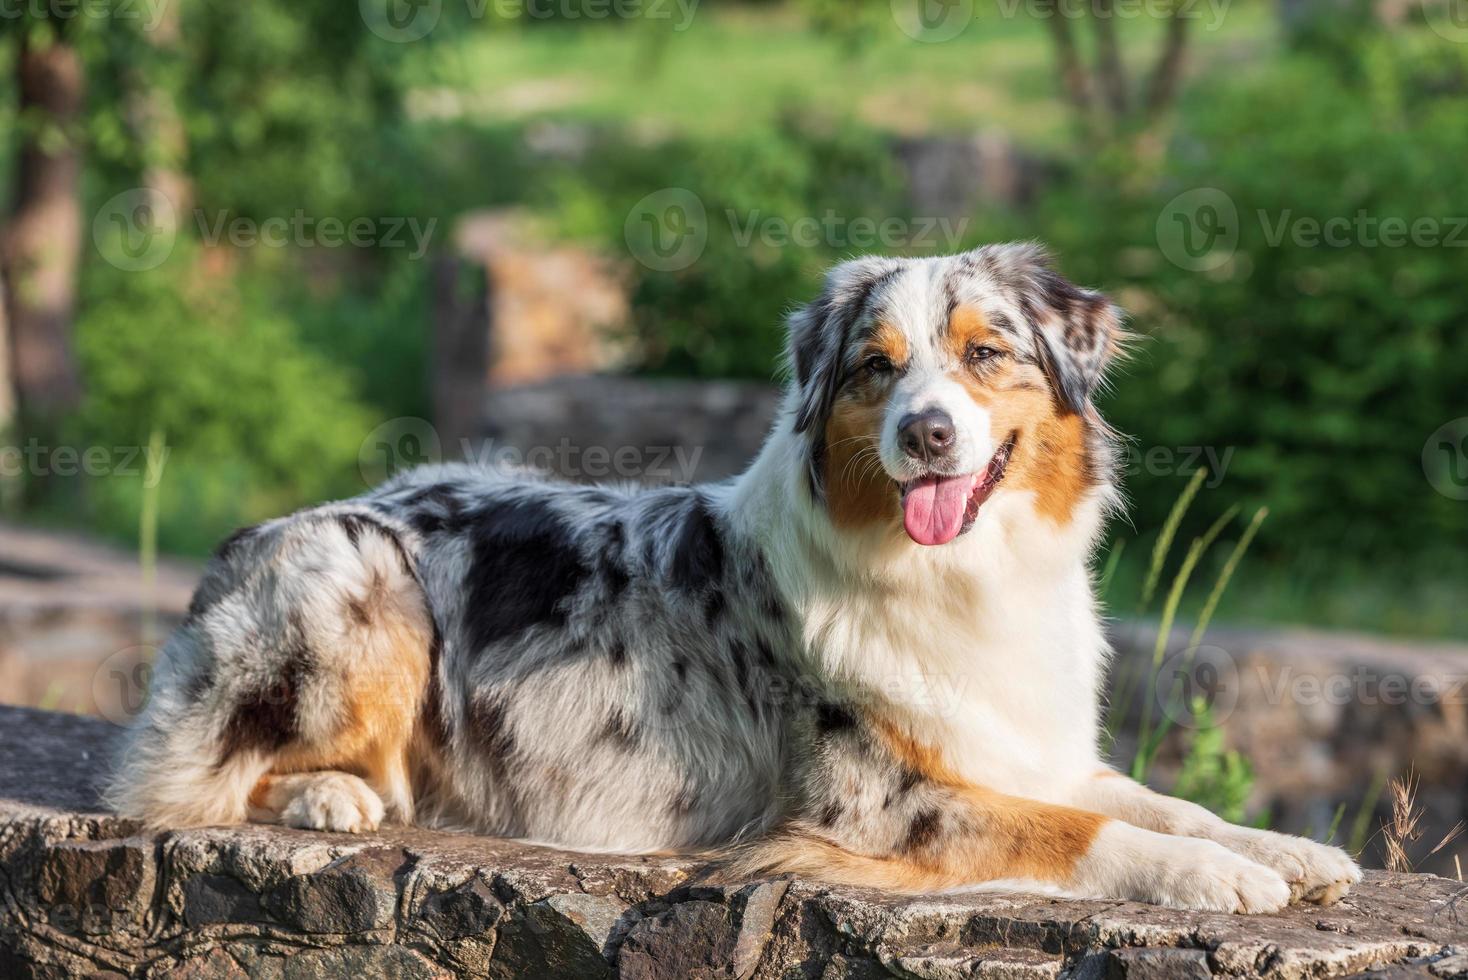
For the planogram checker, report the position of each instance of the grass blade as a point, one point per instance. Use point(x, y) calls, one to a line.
point(1103, 585)
point(1229, 567)
point(1168, 532)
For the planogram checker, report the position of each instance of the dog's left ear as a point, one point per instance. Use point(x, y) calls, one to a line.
point(821, 335)
point(1078, 331)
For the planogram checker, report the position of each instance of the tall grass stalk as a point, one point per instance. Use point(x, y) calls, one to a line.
point(148, 541)
point(1361, 826)
point(1103, 584)
point(1146, 739)
point(1168, 532)
point(1335, 823)
point(1229, 567)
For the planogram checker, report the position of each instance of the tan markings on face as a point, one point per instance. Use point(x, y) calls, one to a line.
point(1056, 465)
point(1052, 457)
point(858, 491)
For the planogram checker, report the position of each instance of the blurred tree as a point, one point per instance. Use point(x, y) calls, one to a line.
point(7, 388)
point(41, 244)
point(1107, 103)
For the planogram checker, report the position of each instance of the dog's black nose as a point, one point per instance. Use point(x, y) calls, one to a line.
point(926, 435)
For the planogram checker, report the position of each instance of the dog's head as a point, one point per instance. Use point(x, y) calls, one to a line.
point(925, 386)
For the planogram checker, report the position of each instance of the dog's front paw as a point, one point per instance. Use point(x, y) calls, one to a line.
point(1215, 879)
point(1316, 873)
point(334, 802)
point(1178, 872)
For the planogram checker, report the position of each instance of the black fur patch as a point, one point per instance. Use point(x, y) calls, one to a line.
point(613, 568)
point(525, 565)
point(215, 585)
point(617, 653)
point(830, 814)
point(923, 830)
point(436, 508)
point(622, 732)
point(355, 525)
point(910, 778)
point(490, 731)
point(199, 683)
point(698, 555)
point(265, 719)
point(1001, 322)
point(832, 718)
point(434, 721)
point(229, 544)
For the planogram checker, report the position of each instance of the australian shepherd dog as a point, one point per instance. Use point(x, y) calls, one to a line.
point(874, 658)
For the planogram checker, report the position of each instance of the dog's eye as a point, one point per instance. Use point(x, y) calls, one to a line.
point(877, 364)
point(977, 354)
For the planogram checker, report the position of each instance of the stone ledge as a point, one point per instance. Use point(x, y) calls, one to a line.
point(85, 895)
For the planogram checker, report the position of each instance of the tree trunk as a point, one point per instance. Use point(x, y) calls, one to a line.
point(154, 116)
point(1167, 75)
point(1068, 61)
point(42, 245)
point(7, 388)
point(1109, 65)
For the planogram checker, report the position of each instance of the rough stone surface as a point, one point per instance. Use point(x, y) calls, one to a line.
point(655, 430)
point(83, 893)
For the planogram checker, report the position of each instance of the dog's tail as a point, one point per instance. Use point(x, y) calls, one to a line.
point(307, 649)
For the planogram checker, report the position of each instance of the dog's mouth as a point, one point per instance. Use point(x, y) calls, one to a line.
point(936, 508)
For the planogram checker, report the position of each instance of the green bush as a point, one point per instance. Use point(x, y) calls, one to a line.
point(1323, 367)
point(723, 314)
point(256, 422)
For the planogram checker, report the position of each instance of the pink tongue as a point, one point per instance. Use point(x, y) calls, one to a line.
point(932, 508)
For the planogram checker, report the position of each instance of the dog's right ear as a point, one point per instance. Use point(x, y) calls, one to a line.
point(822, 335)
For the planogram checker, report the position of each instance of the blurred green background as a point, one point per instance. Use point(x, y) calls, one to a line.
point(1318, 369)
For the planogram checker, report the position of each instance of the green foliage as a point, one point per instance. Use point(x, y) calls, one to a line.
point(723, 314)
point(1213, 775)
point(256, 422)
point(1322, 367)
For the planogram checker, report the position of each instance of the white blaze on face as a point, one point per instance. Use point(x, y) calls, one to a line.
point(936, 494)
